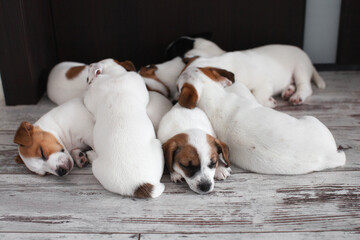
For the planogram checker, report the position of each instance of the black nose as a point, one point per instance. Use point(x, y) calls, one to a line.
point(61, 171)
point(204, 186)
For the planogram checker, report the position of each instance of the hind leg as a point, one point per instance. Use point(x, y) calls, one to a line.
point(303, 87)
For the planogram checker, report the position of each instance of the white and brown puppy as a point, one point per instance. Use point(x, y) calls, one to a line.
point(260, 139)
point(269, 70)
point(67, 80)
point(44, 147)
point(130, 160)
point(191, 149)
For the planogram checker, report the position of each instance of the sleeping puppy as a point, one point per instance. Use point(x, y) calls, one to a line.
point(268, 71)
point(191, 149)
point(260, 139)
point(130, 160)
point(44, 147)
point(67, 80)
point(162, 77)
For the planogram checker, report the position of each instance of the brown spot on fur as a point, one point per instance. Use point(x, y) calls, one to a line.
point(178, 151)
point(218, 75)
point(189, 61)
point(218, 147)
point(149, 72)
point(188, 96)
point(74, 72)
point(144, 191)
point(31, 140)
point(128, 65)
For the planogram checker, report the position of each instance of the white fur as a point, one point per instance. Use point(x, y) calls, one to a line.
point(129, 155)
point(261, 139)
point(60, 89)
point(157, 107)
point(269, 70)
point(72, 125)
point(204, 48)
point(196, 125)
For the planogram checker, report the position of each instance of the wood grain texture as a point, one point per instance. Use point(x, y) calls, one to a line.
point(321, 205)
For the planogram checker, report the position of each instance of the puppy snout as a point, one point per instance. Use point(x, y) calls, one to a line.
point(204, 186)
point(61, 171)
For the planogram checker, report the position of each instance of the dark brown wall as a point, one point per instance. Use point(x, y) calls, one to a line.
point(349, 33)
point(27, 49)
point(88, 31)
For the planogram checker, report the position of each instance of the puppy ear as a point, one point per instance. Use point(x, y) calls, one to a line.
point(23, 134)
point(188, 96)
point(224, 149)
point(223, 76)
point(169, 148)
point(148, 71)
point(18, 160)
point(128, 65)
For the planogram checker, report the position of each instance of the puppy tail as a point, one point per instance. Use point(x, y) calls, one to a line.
point(317, 79)
point(148, 190)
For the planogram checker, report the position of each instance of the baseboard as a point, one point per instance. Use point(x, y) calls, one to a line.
point(336, 67)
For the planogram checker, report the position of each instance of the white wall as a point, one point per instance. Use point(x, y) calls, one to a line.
point(321, 30)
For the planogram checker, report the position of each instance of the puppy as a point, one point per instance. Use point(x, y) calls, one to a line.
point(187, 47)
point(260, 139)
point(67, 80)
point(130, 159)
point(191, 149)
point(269, 70)
point(44, 147)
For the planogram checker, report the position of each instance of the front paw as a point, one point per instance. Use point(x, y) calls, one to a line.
point(288, 92)
point(295, 100)
point(176, 177)
point(79, 157)
point(222, 172)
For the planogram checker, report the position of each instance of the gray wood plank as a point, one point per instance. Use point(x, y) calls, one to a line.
point(324, 201)
point(67, 236)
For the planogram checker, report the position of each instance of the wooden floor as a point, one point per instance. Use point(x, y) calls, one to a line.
point(321, 205)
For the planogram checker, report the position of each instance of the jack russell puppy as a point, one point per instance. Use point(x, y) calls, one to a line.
point(162, 77)
point(260, 139)
point(130, 159)
point(268, 71)
point(67, 80)
point(54, 141)
point(191, 149)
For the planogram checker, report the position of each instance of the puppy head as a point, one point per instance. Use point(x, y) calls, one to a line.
point(108, 66)
point(192, 80)
point(195, 156)
point(41, 152)
point(204, 48)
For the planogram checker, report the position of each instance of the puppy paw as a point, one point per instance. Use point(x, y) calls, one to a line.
point(91, 156)
point(295, 100)
point(270, 102)
point(222, 172)
point(176, 177)
point(79, 157)
point(288, 92)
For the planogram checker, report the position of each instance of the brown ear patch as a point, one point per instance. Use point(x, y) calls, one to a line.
point(218, 147)
point(218, 74)
point(23, 134)
point(188, 96)
point(18, 160)
point(149, 72)
point(144, 190)
point(74, 72)
point(128, 65)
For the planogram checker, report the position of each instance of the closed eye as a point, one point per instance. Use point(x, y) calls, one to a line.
point(42, 154)
point(62, 150)
point(212, 164)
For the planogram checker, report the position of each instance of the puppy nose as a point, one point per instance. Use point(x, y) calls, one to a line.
point(61, 171)
point(204, 186)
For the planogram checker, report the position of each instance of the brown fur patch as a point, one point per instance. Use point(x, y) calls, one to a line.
point(218, 147)
point(178, 151)
point(188, 96)
point(74, 71)
point(149, 72)
point(36, 138)
point(128, 65)
point(18, 160)
point(144, 191)
point(218, 74)
point(189, 61)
